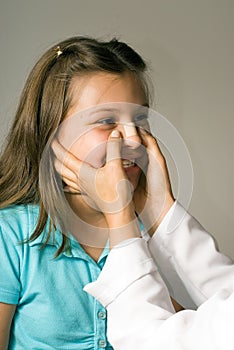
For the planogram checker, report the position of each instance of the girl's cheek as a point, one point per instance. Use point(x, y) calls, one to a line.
point(91, 148)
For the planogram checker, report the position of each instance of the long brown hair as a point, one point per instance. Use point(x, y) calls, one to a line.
point(42, 107)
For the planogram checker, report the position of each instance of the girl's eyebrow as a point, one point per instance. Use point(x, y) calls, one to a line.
point(105, 110)
point(110, 109)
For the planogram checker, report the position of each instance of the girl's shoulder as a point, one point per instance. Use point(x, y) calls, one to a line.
point(19, 212)
point(20, 219)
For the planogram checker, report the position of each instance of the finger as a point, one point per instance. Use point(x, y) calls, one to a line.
point(65, 173)
point(71, 169)
point(151, 144)
point(155, 155)
point(113, 151)
point(68, 178)
point(70, 189)
point(67, 159)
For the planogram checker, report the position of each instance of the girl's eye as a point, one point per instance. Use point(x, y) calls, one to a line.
point(106, 121)
point(141, 119)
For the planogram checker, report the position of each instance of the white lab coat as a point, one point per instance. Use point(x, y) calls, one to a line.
point(140, 313)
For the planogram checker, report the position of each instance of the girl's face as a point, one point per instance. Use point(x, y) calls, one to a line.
point(100, 103)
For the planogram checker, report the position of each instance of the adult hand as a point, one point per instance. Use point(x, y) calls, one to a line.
point(107, 189)
point(153, 196)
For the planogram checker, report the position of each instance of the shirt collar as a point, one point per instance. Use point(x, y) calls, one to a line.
point(74, 249)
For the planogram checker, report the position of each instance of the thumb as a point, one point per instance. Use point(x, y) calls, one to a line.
point(113, 151)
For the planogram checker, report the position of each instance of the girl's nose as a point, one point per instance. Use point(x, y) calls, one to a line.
point(130, 135)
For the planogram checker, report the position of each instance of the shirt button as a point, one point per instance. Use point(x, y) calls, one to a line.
point(102, 315)
point(102, 343)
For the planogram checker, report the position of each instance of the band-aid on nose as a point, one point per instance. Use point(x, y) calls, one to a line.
point(129, 129)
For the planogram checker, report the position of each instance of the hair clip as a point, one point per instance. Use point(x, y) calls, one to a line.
point(58, 51)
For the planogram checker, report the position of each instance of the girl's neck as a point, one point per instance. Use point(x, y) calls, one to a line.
point(86, 211)
point(92, 230)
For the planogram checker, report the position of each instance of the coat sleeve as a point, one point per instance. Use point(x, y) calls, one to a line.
point(188, 259)
point(140, 314)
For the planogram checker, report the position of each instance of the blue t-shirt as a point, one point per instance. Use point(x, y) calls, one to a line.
point(53, 311)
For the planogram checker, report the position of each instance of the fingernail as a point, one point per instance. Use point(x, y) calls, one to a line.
point(115, 133)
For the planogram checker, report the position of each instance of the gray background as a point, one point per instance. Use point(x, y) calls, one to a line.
point(189, 45)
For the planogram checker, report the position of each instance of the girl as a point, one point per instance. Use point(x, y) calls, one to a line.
point(44, 269)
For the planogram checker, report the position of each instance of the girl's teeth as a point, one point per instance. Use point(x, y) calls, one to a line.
point(127, 163)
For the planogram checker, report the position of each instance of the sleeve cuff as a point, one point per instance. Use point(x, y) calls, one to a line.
point(171, 220)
